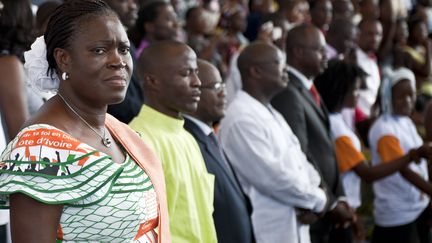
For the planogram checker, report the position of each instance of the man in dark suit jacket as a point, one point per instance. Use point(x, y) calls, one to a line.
point(231, 207)
point(308, 118)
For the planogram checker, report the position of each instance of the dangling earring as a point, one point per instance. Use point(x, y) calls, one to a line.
point(65, 76)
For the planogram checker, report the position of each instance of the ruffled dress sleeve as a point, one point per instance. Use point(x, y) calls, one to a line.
point(53, 167)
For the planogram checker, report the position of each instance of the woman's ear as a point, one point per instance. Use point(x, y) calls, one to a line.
point(62, 58)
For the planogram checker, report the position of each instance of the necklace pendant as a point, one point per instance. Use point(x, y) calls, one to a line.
point(107, 142)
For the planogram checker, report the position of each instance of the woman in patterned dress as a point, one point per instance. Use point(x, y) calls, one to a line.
point(74, 173)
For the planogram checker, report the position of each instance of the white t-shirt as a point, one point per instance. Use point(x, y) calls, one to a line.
point(343, 136)
point(397, 202)
point(368, 96)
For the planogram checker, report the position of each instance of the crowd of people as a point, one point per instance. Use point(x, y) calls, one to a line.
point(215, 120)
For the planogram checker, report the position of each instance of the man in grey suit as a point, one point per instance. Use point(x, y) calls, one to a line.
point(302, 108)
point(231, 207)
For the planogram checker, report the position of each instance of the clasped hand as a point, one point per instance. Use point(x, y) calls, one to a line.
point(342, 215)
point(424, 151)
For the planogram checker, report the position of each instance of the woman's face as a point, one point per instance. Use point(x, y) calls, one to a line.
point(403, 98)
point(99, 63)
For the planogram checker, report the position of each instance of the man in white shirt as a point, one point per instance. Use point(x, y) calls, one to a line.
point(368, 42)
point(265, 154)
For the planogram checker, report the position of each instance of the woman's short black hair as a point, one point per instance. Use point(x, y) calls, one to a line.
point(335, 82)
point(16, 25)
point(66, 21)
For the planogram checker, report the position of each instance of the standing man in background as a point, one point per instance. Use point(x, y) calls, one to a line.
point(307, 116)
point(169, 73)
point(282, 185)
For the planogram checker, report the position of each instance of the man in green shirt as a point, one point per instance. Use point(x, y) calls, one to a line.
point(169, 73)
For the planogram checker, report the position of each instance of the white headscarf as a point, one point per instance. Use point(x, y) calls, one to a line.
point(391, 78)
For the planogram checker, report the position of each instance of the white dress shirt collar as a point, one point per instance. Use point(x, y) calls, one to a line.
point(304, 80)
point(204, 127)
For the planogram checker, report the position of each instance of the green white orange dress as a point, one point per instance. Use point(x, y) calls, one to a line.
point(103, 201)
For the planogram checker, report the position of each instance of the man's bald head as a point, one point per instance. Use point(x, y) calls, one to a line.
point(255, 54)
point(211, 107)
point(301, 35)
point(263, 70)
point(206, 72)
point(157, 56)
point(305, 49)
point(169, 73)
